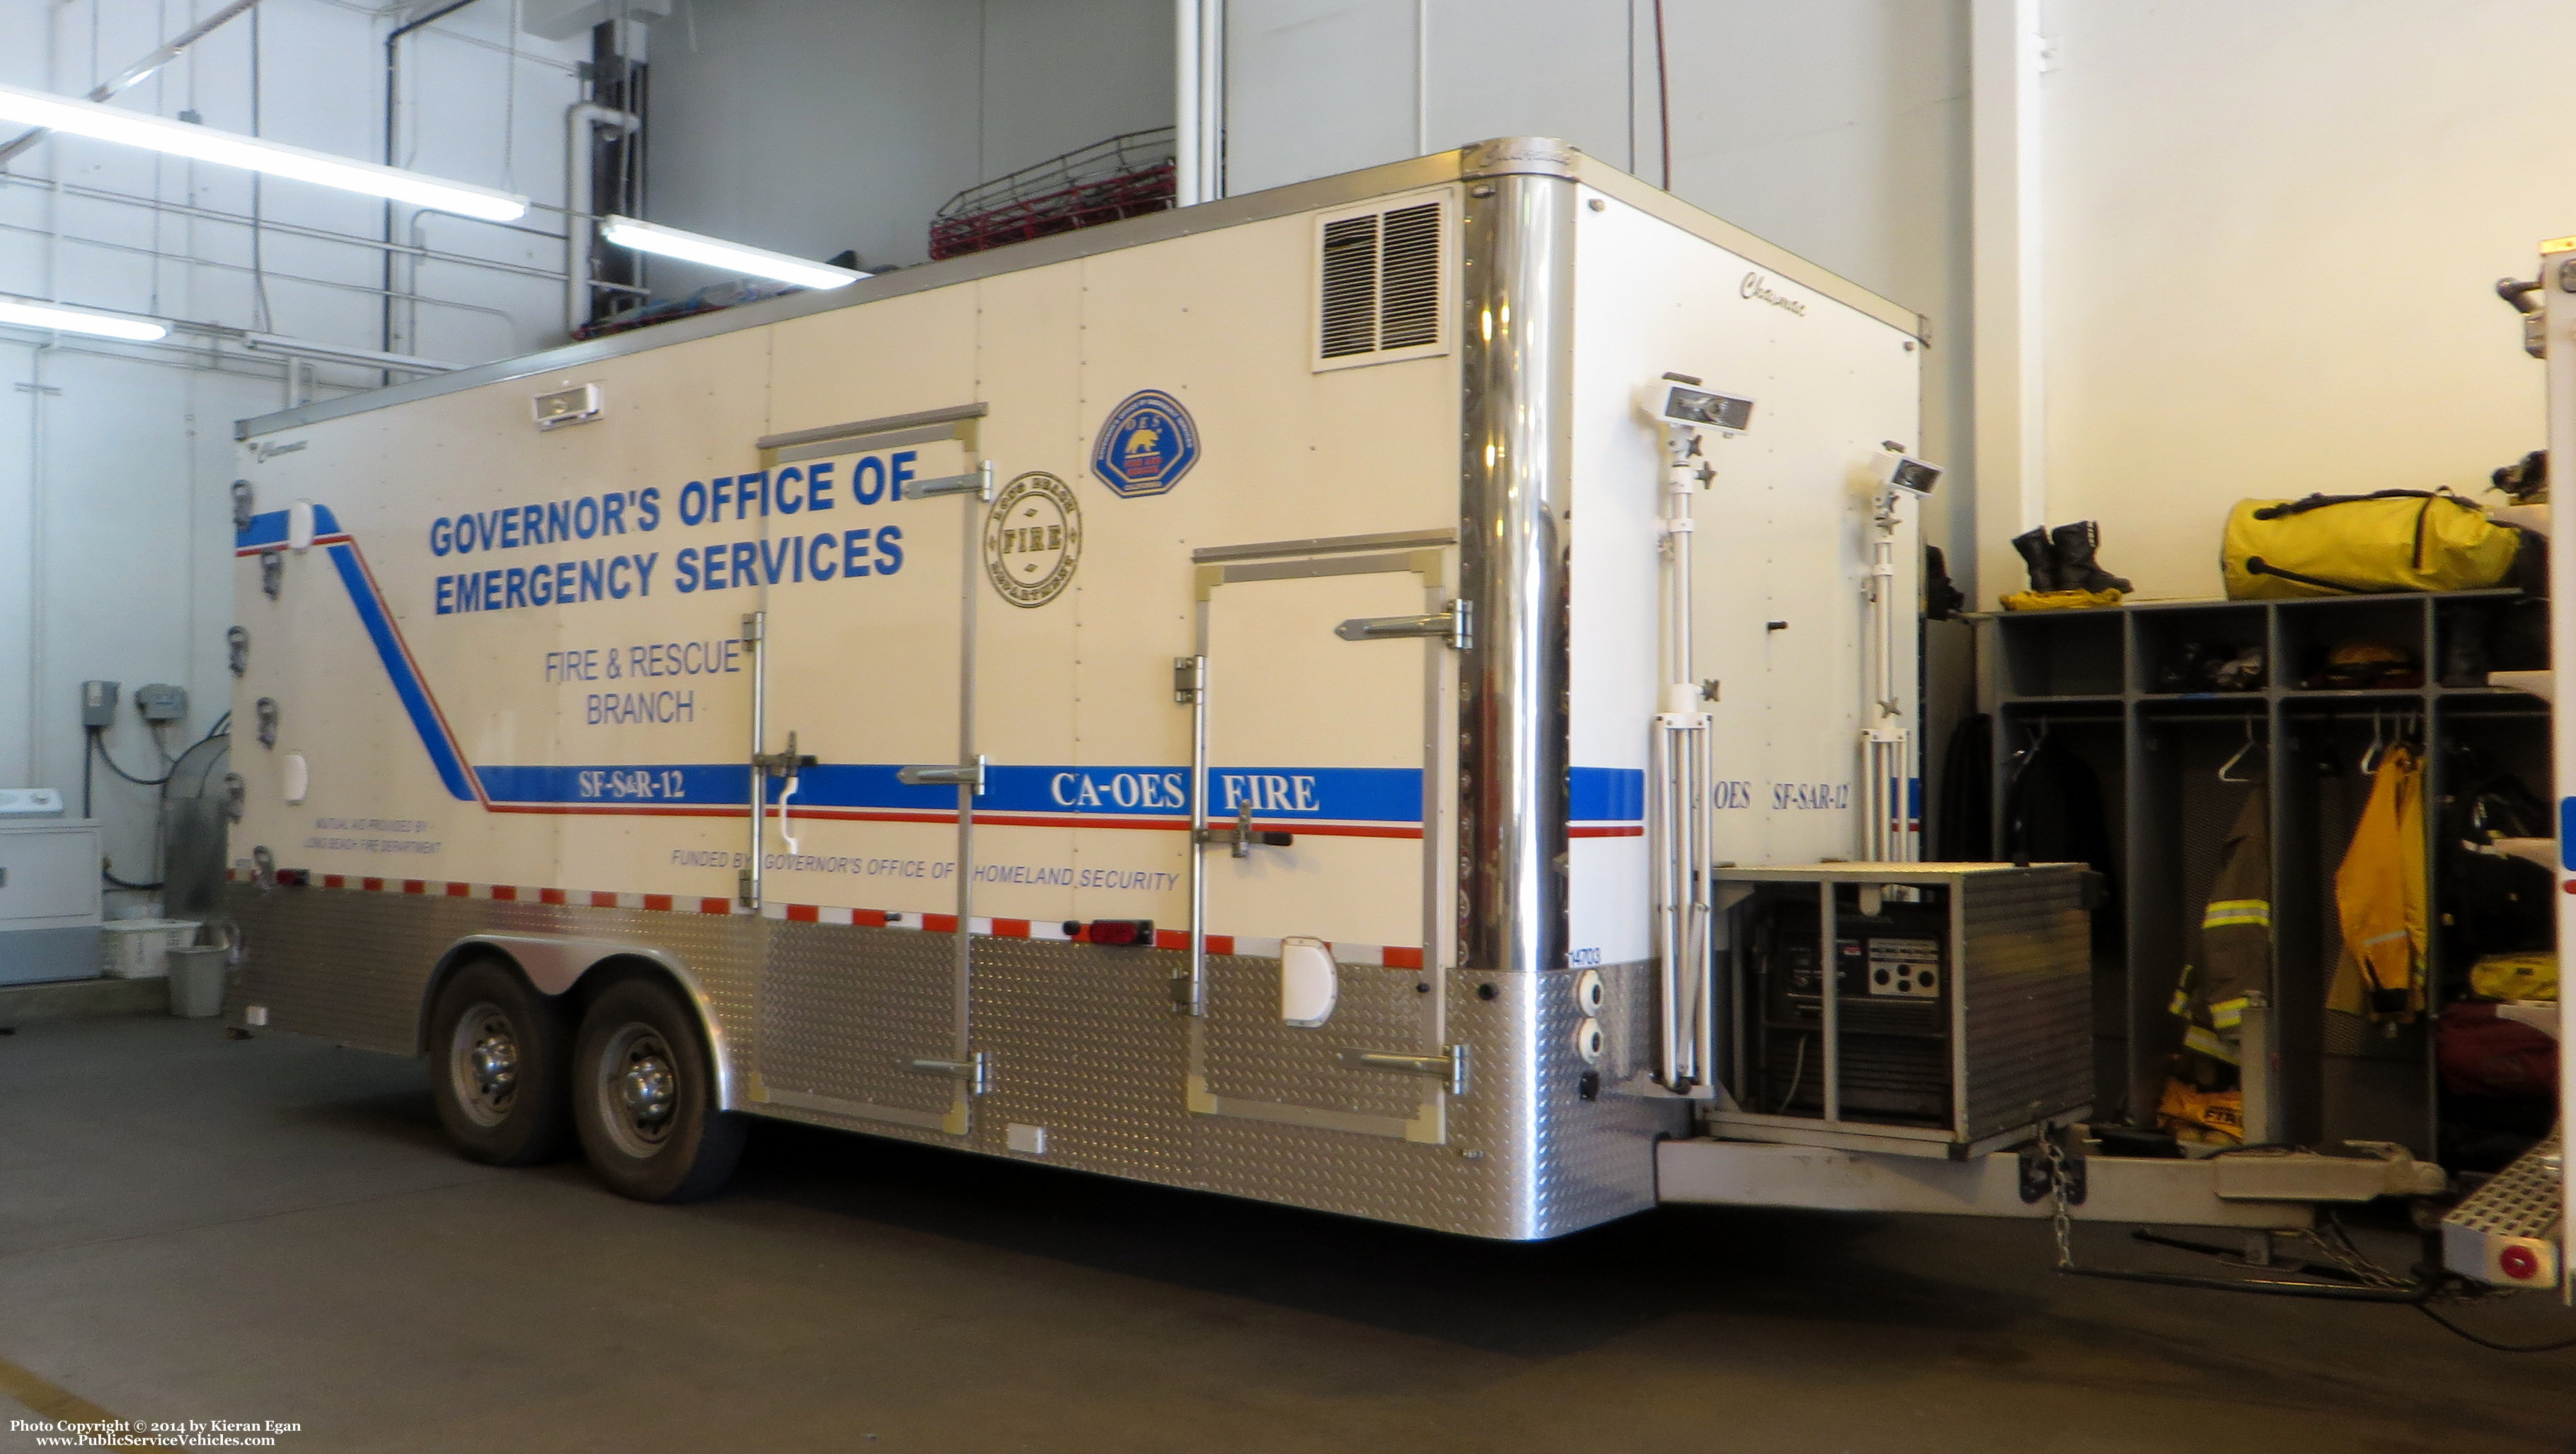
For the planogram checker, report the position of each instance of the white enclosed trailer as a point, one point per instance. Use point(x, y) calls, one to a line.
point(1184, 699)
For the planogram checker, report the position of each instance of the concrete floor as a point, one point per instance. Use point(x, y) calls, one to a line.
point(192, 1227)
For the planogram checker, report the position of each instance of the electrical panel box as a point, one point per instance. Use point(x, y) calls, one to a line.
point(161, 702)
point(1955, 1017)
point(98, 704)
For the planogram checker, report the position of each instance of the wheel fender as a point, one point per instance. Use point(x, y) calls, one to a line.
point(554, 963)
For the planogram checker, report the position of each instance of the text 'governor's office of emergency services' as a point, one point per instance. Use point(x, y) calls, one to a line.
point(845, 552)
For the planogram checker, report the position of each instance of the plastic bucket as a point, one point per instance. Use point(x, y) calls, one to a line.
point(197, 982)
point(139, 948)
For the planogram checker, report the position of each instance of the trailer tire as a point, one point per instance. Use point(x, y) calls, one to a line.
point(497, 1052)
point(643, 1097)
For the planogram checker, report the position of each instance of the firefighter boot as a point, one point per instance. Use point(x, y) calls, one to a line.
point(2077, 570)
point(2040, 556)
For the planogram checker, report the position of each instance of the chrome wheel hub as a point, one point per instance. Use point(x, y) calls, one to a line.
point(647, 1090)
point(496, 1063)
point(640, 1093)
point(483, 1064)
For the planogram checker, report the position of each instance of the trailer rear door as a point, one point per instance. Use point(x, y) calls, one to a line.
point(1325, 675)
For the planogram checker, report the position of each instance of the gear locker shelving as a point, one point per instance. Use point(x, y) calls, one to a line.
point(2090, 680)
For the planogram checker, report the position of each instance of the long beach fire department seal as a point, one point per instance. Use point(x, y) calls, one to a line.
point(1146, 444)
point(1033, 539)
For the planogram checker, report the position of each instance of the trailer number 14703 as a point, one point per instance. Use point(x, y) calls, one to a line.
point(632, 783)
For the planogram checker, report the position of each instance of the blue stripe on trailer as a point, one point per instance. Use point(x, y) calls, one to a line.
point(1606, 794)
point(269, 528)
point(406, 682)
point(1336, 794)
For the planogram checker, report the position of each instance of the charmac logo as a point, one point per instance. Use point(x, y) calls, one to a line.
point(1759, 287)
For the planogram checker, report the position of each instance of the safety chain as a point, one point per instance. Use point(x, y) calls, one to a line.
point(2059, 1220)
point(2339, 1247)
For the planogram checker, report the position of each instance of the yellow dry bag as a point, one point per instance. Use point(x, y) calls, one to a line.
point(2358, 545)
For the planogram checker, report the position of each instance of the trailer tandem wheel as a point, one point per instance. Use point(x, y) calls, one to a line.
point(644, 1096)
point(498, 1051)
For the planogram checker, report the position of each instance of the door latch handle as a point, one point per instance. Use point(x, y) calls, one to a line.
point(1242, 838)
point(977, 482)
point(1452, 625)
point(966, 775)
point(1449, 1065)
point(971, 1070)
point(790, 765)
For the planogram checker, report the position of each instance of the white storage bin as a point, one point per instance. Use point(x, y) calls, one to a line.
point(140, 948)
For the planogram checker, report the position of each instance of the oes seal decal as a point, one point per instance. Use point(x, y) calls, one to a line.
point(1033, 539)
point(1146, 444)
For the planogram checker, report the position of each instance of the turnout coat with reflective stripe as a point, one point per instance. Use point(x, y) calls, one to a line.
point(2234, 947)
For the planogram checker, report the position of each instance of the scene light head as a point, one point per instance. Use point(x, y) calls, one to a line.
point(715, 252)
point(1898, 470)
point(1679, 399)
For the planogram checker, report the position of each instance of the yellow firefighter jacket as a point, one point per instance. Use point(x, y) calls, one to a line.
point(2379, 898)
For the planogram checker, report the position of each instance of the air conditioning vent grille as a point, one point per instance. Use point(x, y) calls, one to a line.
point(1350, 286)
point(1382, 282)
point(1409, 278)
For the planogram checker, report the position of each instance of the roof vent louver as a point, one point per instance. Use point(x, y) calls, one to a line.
point(1381, 283)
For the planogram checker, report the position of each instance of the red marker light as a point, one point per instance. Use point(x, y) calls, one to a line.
point(1120, 931)
point(2519, 1263)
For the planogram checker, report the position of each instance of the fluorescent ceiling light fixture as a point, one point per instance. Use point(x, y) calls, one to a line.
point(717, 253)
point(27, 314)
point(225, 148)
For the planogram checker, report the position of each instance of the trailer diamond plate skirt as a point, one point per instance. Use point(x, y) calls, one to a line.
point(1079, 1039)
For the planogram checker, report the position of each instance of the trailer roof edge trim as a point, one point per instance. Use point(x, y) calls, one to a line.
point(1482, 159)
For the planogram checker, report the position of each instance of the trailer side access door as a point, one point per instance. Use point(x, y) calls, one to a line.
point(864, 745)
point(1324, 789)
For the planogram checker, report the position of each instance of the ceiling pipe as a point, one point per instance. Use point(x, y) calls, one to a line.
point(393, 117)
point(579, 221)
point(1199, 101)
point(137, 71)
point(297, 348)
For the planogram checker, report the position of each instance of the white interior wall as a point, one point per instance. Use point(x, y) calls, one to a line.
point(116, 460)
point(810, 126)
point(1835, 128)
point(2272, 233)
